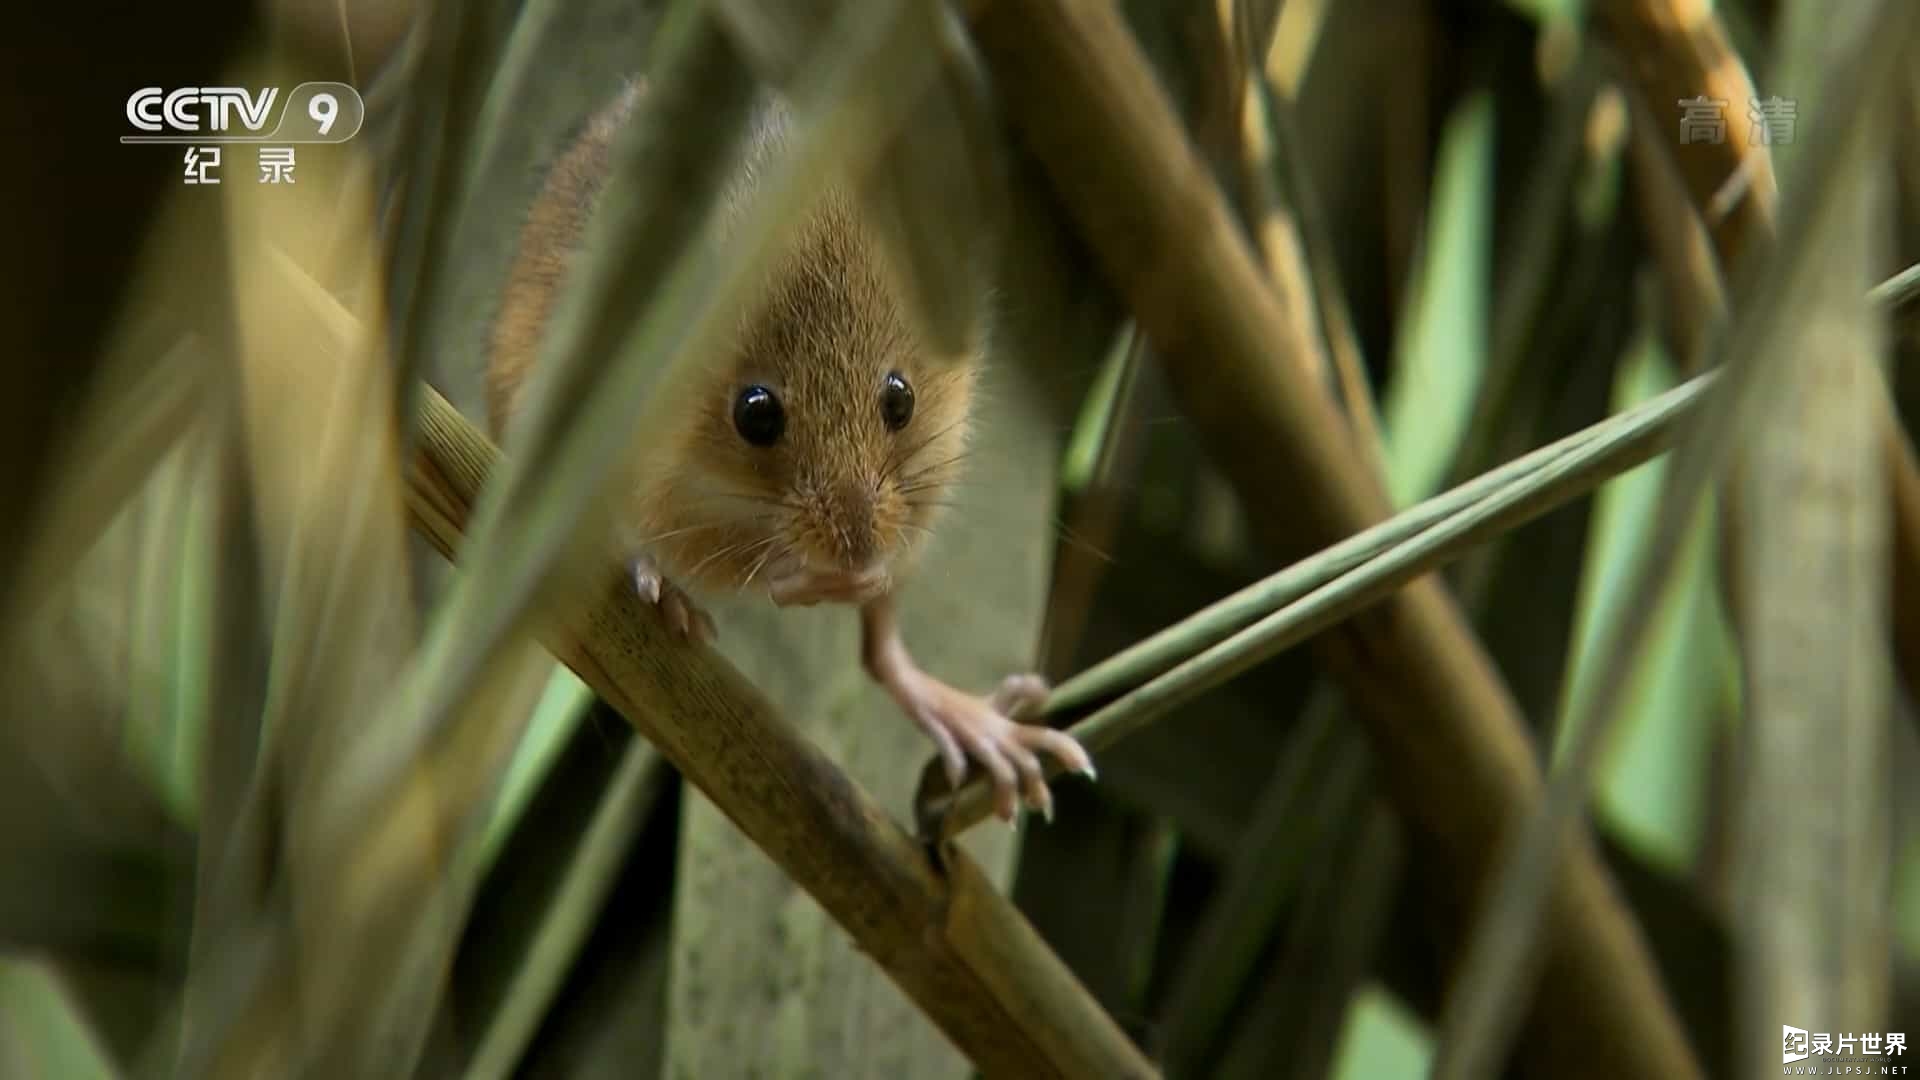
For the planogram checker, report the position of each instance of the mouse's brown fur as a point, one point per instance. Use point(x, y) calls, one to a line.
point(553, 230)
point(839, 491)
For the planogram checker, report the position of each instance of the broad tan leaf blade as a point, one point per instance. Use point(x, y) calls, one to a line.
point(382, 839)
point(1811, 588)
point(1484, 1009)
point(539, 517)
point(368, 879)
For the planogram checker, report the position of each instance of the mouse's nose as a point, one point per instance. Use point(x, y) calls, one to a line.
point(850, 515)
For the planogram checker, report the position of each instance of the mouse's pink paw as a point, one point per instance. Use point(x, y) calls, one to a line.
point(986, 730)
point(674, 605)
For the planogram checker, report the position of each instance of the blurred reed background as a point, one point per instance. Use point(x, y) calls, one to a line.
point(1570, 453)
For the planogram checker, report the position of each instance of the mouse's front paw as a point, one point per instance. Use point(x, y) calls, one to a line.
point(674, 605)
point(986, 729)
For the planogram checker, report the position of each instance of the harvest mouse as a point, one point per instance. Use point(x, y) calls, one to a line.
point(814, 464)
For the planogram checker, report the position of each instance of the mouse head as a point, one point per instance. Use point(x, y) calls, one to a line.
point(819, 456)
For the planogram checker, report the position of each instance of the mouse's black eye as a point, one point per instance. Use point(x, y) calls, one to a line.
point(758, 417)
point(896, 401)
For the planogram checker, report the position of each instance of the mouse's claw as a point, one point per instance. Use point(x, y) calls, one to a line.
point(984, 728)
point(681, 613)
point(965, 726)
point(1018, 696)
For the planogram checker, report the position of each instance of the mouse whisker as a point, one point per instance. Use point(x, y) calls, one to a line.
point(766, 556)
point(841, 533)
point(704, 492)
point(1074, 539)
point(932, 437)
point(934, 483)
point(751, 546)
point(901, 457)
point(934, 467)
point(923, 483)
point(722, 552)
point(670, 533)
point(717, 524)
point(761, 500)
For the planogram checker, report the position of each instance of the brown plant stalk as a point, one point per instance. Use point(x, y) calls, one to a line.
point(1455, 754)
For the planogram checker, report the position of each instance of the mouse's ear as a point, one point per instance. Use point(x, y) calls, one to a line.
point(936, 196)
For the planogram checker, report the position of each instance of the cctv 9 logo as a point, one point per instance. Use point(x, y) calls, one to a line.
point(313, 112)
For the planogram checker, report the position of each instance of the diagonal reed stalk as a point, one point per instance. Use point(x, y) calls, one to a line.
point(1590, 456)
point(1252, 626)
point(590, 393)
point(582, 402)
point(1235, 634)
point(949, 939)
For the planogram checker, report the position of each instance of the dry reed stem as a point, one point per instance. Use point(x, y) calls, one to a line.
point(1457, 759)
point(954, 945)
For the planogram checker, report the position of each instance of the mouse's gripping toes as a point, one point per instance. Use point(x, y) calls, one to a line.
point(966, 726)
point(675, 606)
